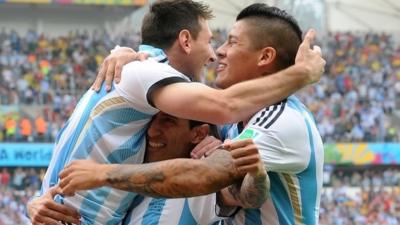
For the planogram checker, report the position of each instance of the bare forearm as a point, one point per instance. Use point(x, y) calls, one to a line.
point(252, 192)
point(176, 178)
point(256, 94)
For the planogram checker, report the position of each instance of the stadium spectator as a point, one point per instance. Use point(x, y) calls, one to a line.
point(11, 129)
point(25, 129)
point(41, 128)
point(4, 177)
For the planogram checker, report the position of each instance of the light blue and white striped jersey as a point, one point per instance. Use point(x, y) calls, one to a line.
point(110, 128)
point(292, 151)
point(179, 211)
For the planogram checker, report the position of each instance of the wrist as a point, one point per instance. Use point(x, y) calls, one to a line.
point(304, 72)
point(259, 173)
point(106, 174)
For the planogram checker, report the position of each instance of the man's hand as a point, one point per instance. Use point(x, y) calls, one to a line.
point(246, 156)
point(310, 58)
point(83, 175)
point(207, 146)
point(44, 210)
point(112, 65)
point(253, 190)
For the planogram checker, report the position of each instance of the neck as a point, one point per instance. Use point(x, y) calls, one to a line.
point(178, 62)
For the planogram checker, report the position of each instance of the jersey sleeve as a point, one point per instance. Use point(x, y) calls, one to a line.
point(202, 209)
point(282, 140)
point(140, 79)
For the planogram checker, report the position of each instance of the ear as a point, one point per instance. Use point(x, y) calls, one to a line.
point(199, 133)
point(185, 39)
point(268, 55)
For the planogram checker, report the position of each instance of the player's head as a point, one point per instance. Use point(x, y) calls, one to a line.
point(169, 137)
point(262, 41)
point(180, 28)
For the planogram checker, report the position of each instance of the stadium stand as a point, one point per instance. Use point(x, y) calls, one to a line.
point(357, 101)
point(354, 102)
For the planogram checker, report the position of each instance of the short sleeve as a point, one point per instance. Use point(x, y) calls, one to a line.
point(139, 79)
point(282, 139)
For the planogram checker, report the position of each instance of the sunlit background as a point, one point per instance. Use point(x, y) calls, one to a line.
point(50, 51)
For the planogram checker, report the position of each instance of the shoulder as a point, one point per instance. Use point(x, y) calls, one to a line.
point(279, 117)
point(151, 67)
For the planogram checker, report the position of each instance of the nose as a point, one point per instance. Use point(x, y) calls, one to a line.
point(213, 56)
point(221, 51)
point(153, 130)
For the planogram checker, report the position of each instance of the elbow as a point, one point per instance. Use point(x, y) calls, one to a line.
point(229, 111)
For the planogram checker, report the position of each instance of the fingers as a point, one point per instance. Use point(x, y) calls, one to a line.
point(308, 39)
point(54, 191)
point(231, 145)
point(143, 56)
point(317, 50)
point(244, 151)
point(60, 216)
point(209, 144)
point(117, 72)
point(44, 210)
point(110, 75)
point(68, 187)
point(65, 211)
point(100, 76)
point(39, 220)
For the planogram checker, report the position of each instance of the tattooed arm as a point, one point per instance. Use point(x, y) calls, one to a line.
point(253, 190)
point(169, 178)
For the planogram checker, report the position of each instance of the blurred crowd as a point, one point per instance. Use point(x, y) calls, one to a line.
point(369, 197)
point(50, 74)
point(17, 186)
point(354, 101)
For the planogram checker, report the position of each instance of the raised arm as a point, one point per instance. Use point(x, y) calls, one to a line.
point(243, 99)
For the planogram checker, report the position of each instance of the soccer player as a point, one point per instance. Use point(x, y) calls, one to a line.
point(110, 127)
point(265, 40)
point(168, 137)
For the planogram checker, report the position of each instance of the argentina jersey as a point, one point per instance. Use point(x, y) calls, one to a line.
point(109, 127)
point(292, 152)
point(178, 211)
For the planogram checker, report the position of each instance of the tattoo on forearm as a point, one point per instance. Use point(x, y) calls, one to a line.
point(252, 191)
point(176, 178)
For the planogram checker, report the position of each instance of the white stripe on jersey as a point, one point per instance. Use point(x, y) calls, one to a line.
point(180, 211)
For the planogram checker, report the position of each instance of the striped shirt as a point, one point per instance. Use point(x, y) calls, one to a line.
point(292, 151)
point(179, 211)
point(110, 128)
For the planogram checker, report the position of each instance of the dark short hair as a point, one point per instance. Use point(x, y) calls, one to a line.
point(162, 24)
point(273, 27)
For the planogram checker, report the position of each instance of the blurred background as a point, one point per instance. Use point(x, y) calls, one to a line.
point(50, 51)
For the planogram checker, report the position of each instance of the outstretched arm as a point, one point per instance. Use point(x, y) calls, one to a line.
point(169, 178)
point(241, 100)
